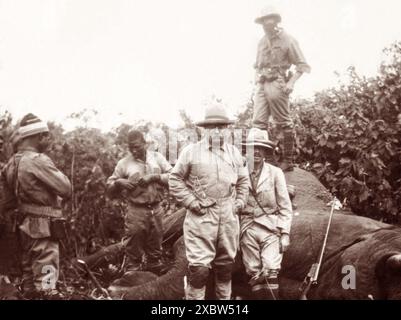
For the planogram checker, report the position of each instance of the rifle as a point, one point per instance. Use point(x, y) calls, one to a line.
point(311, 277)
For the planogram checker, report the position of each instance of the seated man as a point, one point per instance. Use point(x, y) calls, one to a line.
point(266, 220)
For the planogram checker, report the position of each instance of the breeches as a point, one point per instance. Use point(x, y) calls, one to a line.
point(40, 263)
point(271, 100)
point(260, 250)
point(145, 229)
point(212, 239)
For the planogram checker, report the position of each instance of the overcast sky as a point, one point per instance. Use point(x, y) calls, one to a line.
point(133, 59)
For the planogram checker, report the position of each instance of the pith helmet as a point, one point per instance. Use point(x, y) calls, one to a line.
point(268, 11)
point(31, 125)
point(215, 114)
point(258, 137)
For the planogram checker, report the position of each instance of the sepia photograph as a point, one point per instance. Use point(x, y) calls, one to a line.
point(200, 150)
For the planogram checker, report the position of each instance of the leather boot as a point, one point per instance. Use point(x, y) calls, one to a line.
point(223, 284)
point(288, 151)
point(265, 288)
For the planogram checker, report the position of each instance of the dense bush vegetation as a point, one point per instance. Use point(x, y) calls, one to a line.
point(351, 137)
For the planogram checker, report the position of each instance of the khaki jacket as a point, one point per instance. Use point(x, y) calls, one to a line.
point(215, 174)
point(40, 184)
point(273, 196)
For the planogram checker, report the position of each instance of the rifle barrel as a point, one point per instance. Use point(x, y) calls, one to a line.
point(313, 273)
point(325, 239)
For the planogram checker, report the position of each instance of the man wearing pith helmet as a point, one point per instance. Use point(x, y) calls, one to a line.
point(35, 187)
point(277, 52)
point(210, 179)
point(266, 218)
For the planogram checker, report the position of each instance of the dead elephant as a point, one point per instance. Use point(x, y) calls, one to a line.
point(362, 259)
point(366, 251)
point(369, 248)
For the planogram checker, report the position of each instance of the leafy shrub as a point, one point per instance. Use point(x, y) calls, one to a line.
point(88, 157)
point(351, 136)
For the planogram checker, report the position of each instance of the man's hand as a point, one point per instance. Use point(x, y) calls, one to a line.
point(284, 242)
point(288, 87)
point(125, 184)
point(196, 208)
point(149, 178)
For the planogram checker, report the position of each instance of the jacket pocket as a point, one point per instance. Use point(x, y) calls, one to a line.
point(266, 196)
point(277, 55)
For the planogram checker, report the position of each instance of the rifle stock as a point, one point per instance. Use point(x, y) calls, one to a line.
point(310, 279)
point(306, 285)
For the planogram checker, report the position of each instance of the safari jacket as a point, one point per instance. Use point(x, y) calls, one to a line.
point(271, 192)
point(203, 171)
point(40, 184)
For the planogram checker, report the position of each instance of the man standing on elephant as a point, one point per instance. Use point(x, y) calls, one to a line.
point(277, 52)
point(141, 175)
point(211, 181)
point(266, 219)
point(34, 186)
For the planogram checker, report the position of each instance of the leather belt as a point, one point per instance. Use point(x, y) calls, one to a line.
point(146, 205)
point(40, 210)
point(275, 212)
